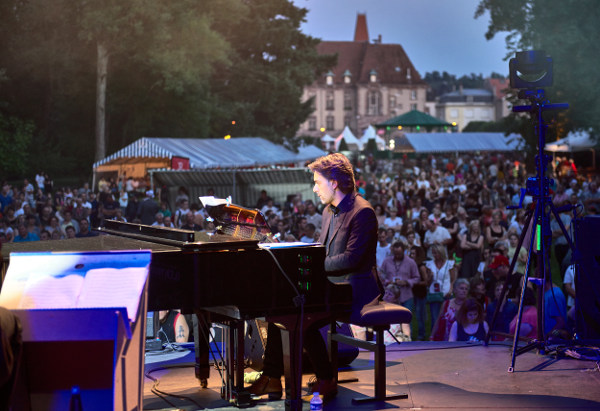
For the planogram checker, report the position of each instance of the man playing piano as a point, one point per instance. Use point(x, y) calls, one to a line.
point(349, 234)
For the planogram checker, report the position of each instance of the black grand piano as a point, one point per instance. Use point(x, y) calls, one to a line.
point(227, 276)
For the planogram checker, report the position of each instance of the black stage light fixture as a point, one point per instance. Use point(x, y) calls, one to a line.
point(530, 69)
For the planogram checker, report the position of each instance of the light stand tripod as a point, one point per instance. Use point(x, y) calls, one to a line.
point(537, 223)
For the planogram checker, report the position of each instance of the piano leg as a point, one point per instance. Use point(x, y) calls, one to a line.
point(292, 336)
point(201, 322)
point(291, 341)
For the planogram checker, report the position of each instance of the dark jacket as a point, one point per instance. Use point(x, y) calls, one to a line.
point(350, 248)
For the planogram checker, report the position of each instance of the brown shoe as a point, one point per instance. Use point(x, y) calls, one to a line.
point(267, 385)
point(326, 388)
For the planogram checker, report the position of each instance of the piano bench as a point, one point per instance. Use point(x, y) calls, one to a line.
point(377, 317)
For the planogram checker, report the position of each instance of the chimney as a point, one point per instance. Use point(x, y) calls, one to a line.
point(361, 34)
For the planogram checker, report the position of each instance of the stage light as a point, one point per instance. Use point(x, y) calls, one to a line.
point(322, 129)
point(454, 124)
point(399, 127)
point(233, 122)
point(530, 69)
point(227, 137)
point(418, 128)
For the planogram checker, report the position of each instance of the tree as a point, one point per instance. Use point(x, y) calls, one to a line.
point(271, 63)
point(173, 38)
point(15, 138)
point(568, 31)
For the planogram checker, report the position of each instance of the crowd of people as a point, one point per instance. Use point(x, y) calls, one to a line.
point(446, 239)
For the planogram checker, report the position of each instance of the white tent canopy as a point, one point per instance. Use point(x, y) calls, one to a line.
point(214, 153)
point(371, 133)
point(574, 141)
point(463, 142)
point(350, 139)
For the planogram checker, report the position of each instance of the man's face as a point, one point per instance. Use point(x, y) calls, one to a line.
point(501, 271)
point(84, 225)
point(382, 236)
point(398, 253)
point(431, 225)
point(324, 188)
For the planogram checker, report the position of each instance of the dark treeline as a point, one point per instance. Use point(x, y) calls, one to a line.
point(179, 69)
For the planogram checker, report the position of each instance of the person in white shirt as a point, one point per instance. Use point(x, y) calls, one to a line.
point(383, 246)
point(393, 221)
point(436, 234)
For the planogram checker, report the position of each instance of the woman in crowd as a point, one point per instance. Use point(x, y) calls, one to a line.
point(440, 274)
point(441, 328)
point(469, 325)
point(471, 244)
point(495, 231)
point(380, 213)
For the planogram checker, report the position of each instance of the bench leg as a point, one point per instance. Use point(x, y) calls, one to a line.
point(380, 373)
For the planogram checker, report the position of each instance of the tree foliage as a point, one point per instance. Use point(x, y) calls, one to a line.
point(181, 68)
point(15, 139)
point(270, 63)
point(568, 31)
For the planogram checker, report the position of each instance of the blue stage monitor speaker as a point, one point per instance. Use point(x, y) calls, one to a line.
point(587, 278)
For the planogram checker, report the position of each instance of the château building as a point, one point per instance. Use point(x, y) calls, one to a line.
point(371, 82)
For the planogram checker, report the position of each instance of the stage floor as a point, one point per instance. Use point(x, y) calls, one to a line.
point(434, 375)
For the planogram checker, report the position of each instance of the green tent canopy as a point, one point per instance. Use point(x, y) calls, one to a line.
point(414, 118)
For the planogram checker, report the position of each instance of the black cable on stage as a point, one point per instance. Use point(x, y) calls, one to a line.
point(163, 394)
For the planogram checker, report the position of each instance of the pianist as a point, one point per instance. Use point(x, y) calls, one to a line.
point(349, 234)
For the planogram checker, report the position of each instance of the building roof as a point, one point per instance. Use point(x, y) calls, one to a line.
point(499, 86)
point(214, 153)
point(412, 119)
point(389, 61)
point(471, 94)
point(463, 142)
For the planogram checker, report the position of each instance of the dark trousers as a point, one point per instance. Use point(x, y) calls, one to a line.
point(315, 347)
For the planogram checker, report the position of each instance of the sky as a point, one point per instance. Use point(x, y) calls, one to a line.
point(440, 35)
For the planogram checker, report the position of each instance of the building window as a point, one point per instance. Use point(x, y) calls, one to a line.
point(400, 107)
point(468, 113)
point(347, 77)
point(330, 122)
point(329, 100)
point(329, 78)
point(408, 73)
point(454, 113)
point(312, 123)
point(373, 76)
point(373, 103)
point(392, 102)
point(413, 106)
point(348, 121)
point(413, 94)
point(347, 100)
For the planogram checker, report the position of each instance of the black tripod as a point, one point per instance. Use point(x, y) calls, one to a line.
point(536, 228)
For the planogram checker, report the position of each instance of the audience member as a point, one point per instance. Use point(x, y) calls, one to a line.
point(447, 316)
point(440, 275)
point(470, 324)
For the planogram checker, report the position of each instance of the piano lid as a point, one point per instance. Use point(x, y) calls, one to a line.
point(175, 237)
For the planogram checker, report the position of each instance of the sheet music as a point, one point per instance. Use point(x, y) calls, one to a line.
point(52, 292)
point(76, 280)
point(112, 287)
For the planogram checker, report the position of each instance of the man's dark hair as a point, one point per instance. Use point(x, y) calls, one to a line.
point(398, 244)
point(336, 167)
